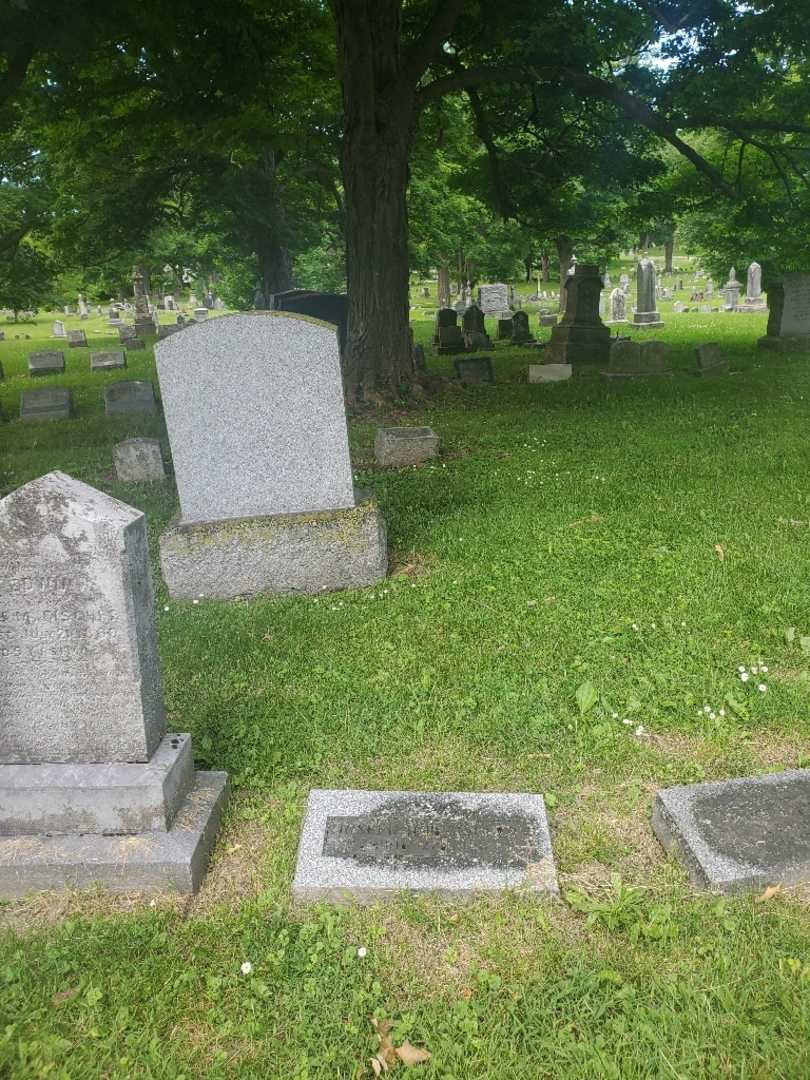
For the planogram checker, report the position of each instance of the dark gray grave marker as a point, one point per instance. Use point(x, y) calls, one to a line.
point(50, 403)
point(129, 396)
point(474, 369)
point(46, 363)
point(108, 361)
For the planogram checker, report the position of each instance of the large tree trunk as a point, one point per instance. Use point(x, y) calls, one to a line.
point(275, 264)
point(545, 266)
point(565, 252)
point(443, 287)
point(669, 251)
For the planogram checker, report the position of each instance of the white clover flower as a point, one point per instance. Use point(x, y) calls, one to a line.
point(627, 723)
point(640, 730)
point(764, 670)
point(722, 712)
point(615, 715)
point(195, 601)
point(744, 676)
point(762, 688)
point(652, 624)
point(741, 668)
point(707, 709)
point(635, 626)
point(755, 670)
point(362, 952)
point(246, 968)
point(165, 607)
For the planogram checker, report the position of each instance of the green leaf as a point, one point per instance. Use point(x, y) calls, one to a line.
point(587, 697)
point(737, 707)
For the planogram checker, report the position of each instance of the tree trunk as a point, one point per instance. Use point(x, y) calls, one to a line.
point(565, 252)
point(669, 251)
point(275, 264)
point(545, 266)
point(443, 287)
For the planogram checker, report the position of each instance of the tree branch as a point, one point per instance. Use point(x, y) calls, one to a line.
point(505, 206)
point(424, 49)
point(14, 75)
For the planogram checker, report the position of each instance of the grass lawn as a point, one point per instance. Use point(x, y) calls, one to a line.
point(568, 534)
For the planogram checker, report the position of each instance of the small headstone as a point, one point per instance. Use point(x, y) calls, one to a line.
point(678, 307)
point(753, 287)
point(505, 327)
point(473, 320)
point(549, 320)
point(77, 339)
point(788, 313)
point(634, 359)
point(46, 363)
point(129, 396)
point(731, 291)
point(135, 344)
point(107, 361)
point(493, 299)
point(739, 835)
point(200, 314)
point(646, 313)
point(444, 317)
point(451, 340)
point(138, 461)
point(618, 306)
point(370, 845)
point(473, 341)
point(419, 362)
point(710, 359)
point(474, 369)
point(59, 329)
point(521, 334)
point(125, 334)
point(545, 373)
point(50, 403)
point(398, 447)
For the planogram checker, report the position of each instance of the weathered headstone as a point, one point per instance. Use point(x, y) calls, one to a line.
point(493, 299)
point(444, 317)
point(739, 835)
point(200, 314)
point(265, 480)
point(451, 340)
point(710, 359)
point(753, 288)
point(521, 334)
point(107, 361)
point(546, 373)
point(129, 396)
point(59, 329)
point(475, 369)
point(474, 341)
point(505, 328)
point(46, 363)
point(678, 307)
point(618, 306)
point(398, 447)
point(77, 339)
point(549, 320)
point(789, 313)
point(634, 359)
point(370, 845)
point(50, 403)
point(472, 320)
point(731, 291)
point(646, 313)
point(580, 336)
point(84, 311)
point(135, 344)
point(91, 788)
point(138, 461)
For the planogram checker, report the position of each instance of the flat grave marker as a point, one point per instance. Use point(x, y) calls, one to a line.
point(108, 361)
point(49, 403)
point(402, 446)
point(129, 396)
point(46, 363)
point(475, 369)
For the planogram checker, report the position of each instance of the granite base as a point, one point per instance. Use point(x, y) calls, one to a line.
point(785, 344)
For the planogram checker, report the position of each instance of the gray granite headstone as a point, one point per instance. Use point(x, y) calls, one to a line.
point(493, 299)
point(280, 448)
point(371, 845)
point(129, 396)
point(59, 329)
point(739, 835)
point(81, 680)
point(505, 326)
point(521, 334)
point(77, 339)
point(631, 359)
point(200, 314)
point(107, 361)
point(46, 363)
point(50, 403)
point(646, 313)
point(398, 447)
point(451, 340)
point(139, 461)
point(475, 369)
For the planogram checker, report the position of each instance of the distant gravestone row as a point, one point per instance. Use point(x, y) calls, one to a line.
point(131, 396)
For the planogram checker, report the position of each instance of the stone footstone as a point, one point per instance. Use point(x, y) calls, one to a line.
point(475, 370)
point(77, 339)
point(107, 361)
point(46, 363)
point(173, 861)
point(739, 835)
point(546, 373)
point(710, 359)
point(549, 320)
point(135, 344)
point(138, 461)
point(50, 403)
point(372, 845)
point(398, 447)
point(306, 553)
point(129, 396)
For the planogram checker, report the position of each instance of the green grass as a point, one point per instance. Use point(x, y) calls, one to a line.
point(567, 535)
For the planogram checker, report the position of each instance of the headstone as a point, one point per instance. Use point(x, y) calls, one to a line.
point(474, 369)
point(50, 403)
point(493, 299)
point(631, 359)
point(46, 363)
point(135, 344)
point(168, 303)
point(710, 359)
point(646, 313)
point(139, 292)
point(580, 336)
point(789, 313)
point(138, 461)
point(546, 373)
point(709, 287)
point(505, 327)
point(739, 835)
point(84, 759)
point(753, 288)
point(83, 308)
point(549, 320)
point(474, 341)
point(678, 307)
point(77, 339)
point(107, 361)
point(451, 340)
point(370, 845)
point(618, 306)
point(246, 528)
point(473, 320)
point(59, 329)
point(731, 291)
point(399, 447)
point(200, 314)
point(128, 397)
point(521, 334)
point(444, 317)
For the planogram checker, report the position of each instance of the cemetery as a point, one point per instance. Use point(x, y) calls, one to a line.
point(404, 671)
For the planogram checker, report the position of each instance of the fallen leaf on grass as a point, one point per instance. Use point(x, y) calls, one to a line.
point(412, 1055)
point(594, 519)
point(65, 995)
point(770, 892)
point(721, 555)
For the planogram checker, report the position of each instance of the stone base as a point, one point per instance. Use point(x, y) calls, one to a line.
point(111, 798)
point(739, 835)
point(285, 553)
point(572, 344)
point(785, 344)
point(399, 447)
point(546, 373)
point(173, 861)
point(642, 325)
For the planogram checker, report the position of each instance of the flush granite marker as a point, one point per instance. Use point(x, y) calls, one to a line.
point(267, 499)
point(739, 835)
point(402, 446)
point(83, 748)
point(370, 845)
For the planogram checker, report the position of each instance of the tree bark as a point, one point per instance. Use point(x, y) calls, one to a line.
point(545, 266)
point(565, 252)
point(275, 264)
point(669, 251)
point(443, 287)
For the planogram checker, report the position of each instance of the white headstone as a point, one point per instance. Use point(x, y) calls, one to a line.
point(493, 298)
